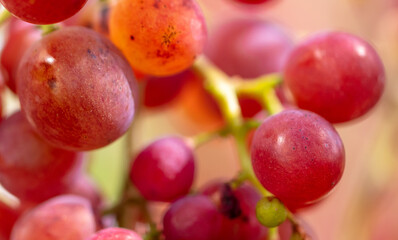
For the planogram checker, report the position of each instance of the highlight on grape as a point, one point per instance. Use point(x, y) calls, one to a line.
point(198, 120)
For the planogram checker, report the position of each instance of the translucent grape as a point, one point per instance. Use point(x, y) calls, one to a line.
point(192, 218)
point(43, 11)
point(335, 74)
point(249, 48)
point(86, 89)
point(164, 170)
point(65, 217)
point(298, 156)
point(159, 38)
point(30, 168)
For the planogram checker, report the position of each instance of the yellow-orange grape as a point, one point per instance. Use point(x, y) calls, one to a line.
point(158, 37)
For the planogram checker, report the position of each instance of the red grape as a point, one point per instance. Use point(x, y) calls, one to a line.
point(159, 38)
point(115, 234)
point(43, 11)
point(337, 75)
point(192, 218)
point(245, 226)
point(298, 156)
point(30, 168)
point(249, 48)
point(86, 89)
point(164, 170)
point(65, 217)
point(8, 217)
point(159, 91)
point(21, 36)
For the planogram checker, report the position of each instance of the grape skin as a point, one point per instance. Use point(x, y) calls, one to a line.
point(86, 89)
point(192, 218)
point(158, 37)
point(249, 48)
point(115, 234)
point(30, 168)
point(65, 217)
point(43, 11)
point(298, 156)
point(159, 91)
point(164, 170)
point(336, 75)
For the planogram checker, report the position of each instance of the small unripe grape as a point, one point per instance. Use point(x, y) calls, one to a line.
point(270, 212)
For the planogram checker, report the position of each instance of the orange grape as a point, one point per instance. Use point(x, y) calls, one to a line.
point(158, 37)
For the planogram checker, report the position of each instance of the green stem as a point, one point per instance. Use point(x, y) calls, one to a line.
point(246, 164)
point(273, 233)
point(256, 86)
point(271, 102)
point(4, 16)
point(225, 94)
point(203, 138)
point(216, 83)
point(46, 29)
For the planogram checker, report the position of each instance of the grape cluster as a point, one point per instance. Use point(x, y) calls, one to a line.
point(79, 89)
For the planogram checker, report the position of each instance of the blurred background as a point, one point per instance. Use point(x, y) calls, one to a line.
point(364, 205)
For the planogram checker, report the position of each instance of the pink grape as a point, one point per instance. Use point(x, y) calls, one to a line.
point(164, 170)
point(298, 156)
point(30, 168)
point(336, 75)
point(115, 234)
point(21, 36)
point(86, 89)
point(43, 11)
point(249, 48)
point(66, 217)
point(192, 218)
